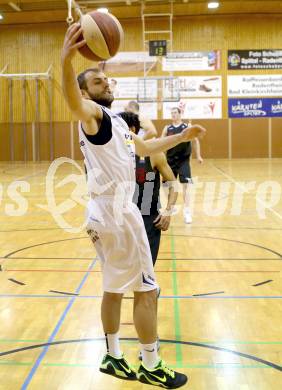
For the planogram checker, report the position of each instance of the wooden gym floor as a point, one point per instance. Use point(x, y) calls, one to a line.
point(221, 298)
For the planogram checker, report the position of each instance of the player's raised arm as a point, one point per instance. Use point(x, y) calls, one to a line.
point(84, 109)
point(147, 148)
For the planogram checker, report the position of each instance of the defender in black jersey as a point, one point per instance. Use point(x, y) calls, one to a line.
point(178, 157)
point(147, 193)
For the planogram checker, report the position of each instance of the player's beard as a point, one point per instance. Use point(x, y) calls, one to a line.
point(105, 99)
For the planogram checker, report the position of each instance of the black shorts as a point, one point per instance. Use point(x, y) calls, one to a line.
point(183, 171)
point(153, 234)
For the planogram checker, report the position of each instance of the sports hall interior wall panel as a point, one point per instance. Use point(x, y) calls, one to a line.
point(160, 124)
point(215, 142)
point(62, 147)
point(44, 143)
point(18, 142)
point(4, 88)
point(277, 137)
point(250, 138)
point(29, 149)
point(4, 142)
point(29, 142)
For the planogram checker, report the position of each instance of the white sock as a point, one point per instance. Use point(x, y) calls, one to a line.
point(186, 210)
point(112, 340)
point(150, 356)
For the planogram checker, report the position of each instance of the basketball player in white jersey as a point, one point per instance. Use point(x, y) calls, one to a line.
point(121, 244)
point(147, 127)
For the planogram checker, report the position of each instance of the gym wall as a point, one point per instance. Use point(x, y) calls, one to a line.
point(33, 47)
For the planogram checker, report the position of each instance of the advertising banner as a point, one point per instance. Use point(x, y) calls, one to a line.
point(254, 59)
point(197, 86)
point(254, 108)
point(261, 85)
point(193, 60)
point(195, 108)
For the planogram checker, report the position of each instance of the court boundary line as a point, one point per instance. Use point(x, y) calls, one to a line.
point(161, 297)
point(56, 329)
point(177, 329)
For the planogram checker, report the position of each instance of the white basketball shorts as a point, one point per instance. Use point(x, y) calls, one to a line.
point(122, 246)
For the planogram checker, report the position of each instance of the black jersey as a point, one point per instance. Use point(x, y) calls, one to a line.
point(181, 152)
point(147, 192)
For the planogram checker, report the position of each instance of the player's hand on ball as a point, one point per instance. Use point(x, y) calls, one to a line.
point(162, 222)
point(195, 131)
point(70, 45)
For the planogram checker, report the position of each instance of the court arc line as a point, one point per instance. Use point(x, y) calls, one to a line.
point(165, 235)
point(242, 342)
point(174, 366)
point(226, 239)
point(217, 342)
point(41, 244)
point(190, 343)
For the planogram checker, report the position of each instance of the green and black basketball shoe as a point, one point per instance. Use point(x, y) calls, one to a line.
point(161, 376)
point(117, 367)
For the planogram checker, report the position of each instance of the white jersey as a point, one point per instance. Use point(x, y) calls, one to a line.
point(111, 165)
point(120, 237)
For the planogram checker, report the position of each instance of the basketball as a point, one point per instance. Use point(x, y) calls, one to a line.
point(103, 34)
